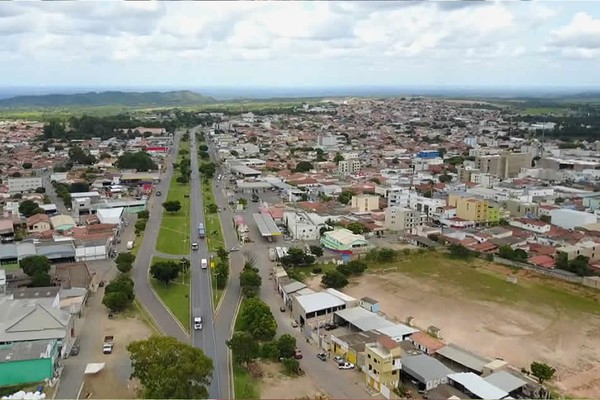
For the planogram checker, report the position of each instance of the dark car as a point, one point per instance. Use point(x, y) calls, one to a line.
point(74, 350)
point(282, 309)
point(330, 327)
point(158, 193)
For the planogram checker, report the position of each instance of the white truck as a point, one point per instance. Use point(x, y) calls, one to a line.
point(109, 344)
point(130, 245)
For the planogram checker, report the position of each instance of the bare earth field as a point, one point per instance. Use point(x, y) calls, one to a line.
point(110, 382)
point(537, 319)
point(276, 385)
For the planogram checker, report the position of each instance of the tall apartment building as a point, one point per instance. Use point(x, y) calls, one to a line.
point(348, 166)
point(484, 179)
point(382, 364)
point(472, 209)
point(365, 202)
point(402, 219)
point(20, 185)
point(505, 165)
point(401, 196)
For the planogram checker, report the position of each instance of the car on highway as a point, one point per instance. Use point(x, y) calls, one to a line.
point(322, 356)
point(194, 246)
point(346, 365)
point(197, 323)
point(204, 263)
point(234, 249)
point(339, 360)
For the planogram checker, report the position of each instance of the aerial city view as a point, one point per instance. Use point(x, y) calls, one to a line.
point(300, 200)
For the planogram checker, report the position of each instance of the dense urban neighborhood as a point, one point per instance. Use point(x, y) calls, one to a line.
point(406, 247)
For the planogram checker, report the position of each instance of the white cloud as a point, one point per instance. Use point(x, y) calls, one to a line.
point(379, 35)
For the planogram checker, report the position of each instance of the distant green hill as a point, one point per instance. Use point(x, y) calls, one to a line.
point(98, 99)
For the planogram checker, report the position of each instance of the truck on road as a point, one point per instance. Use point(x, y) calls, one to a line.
point(201, 231)
point(109, 344)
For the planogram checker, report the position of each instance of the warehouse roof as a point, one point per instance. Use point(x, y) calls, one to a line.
point(463, 357)
point(505, 380)
point(478, 386)
point(363, 319)
point(425, 368)
point(318, 301)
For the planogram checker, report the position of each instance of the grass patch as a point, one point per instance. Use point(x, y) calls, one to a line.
point(244, 386)
point(176, 296)
point(485, 281)
point(544, 110)
point(174, 234)
point(10, 267)
point(145, 316)
point(302, 273)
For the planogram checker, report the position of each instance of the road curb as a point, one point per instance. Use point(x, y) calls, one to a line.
point(229, 354)
point(165, 306)
point(80, 389)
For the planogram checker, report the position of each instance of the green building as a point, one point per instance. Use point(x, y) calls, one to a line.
point(28, 362)
point(344, 241)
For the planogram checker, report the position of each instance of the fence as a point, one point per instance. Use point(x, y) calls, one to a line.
point(558, 274)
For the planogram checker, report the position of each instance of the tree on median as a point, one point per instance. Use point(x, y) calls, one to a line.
point(172, 206)
point(243, 347)
point(164, 271)
point(250, 282)
point(169, 369)
point(124, 262)
point(257, 319)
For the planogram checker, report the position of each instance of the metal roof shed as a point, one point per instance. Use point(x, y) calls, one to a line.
point(425, 368)
point(505, 380)
point(266, 225)
point(463, 357)
point(362, 319)
point(9, 252)
point(318, 301)
point(478, 386)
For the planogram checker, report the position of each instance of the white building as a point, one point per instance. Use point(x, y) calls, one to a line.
point(302, 225)
point(405, 220)
point(484, 179)
point(348, 166)
point(26, 184)
point(532, 225)
point(401, 196)
point(110, 215)
point(570, 219)
point(426, 205)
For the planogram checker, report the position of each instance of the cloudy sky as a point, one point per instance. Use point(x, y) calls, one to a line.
point(290, 44)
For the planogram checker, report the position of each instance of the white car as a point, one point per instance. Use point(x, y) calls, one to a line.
point(195, 246)
point(346, 365)
point(204, 263)
point(197, 323)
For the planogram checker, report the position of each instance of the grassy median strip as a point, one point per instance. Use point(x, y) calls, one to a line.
point(175, 295)
point(214, 238)
point(174, 235)
point(244, 386)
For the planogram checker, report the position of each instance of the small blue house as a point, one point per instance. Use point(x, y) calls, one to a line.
point(369, 304)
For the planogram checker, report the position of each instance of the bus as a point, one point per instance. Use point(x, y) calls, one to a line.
point(201, 232)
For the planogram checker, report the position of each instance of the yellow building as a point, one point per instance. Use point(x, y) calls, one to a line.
point(382, 365)
point(472, 209)
point(352, 346)
point(365, 202)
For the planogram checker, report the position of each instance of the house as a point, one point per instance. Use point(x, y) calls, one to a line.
point(369, 304)
point(312, 309)
point(426, 343)
point(38, 223)
point(365, 202)
point(382, 365)
point(426, 370)
point(7, 230)
point(344, 241)
point(33, 319)
point(352, 346)
point(302, 226)
point(62, 223)
point(532, 225)
point(28, 362)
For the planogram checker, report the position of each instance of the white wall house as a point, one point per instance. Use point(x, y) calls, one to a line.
point(301, 226)
point(20, 185)
point(88, 250)
point(533, 225)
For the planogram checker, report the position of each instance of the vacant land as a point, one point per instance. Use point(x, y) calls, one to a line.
point(174, 235)
point(536, 319)
point(276, 385)
point(110, 383)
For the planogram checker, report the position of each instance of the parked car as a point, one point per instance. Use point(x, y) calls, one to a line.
point(234, 249)
point(346, 365)
point(339, 360)
point(294, 324)
point(158, 193)
point(330, 327)
point(322, 356)
point(74, 349)
point(282, 309)
point(298, 354)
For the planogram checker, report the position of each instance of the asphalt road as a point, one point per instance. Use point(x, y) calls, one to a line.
point(143, 292)
point(51, 193)
point(201, 283)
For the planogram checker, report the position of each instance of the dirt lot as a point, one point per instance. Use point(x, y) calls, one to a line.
point(112, 382)
point(276, 385)
point(537, 319)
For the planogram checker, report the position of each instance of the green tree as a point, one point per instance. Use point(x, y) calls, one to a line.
point(169, 369)
point(316, 251)
point(125, 262)
point(257, 319)
point(243, 347)
point(164, 271)
point(542, 371)
point(140, 161)
point(222, 274)
point(386, 255)
point(122, 284)
point(291, 366)
point(286, 344)
point(546, 218)
point(445, 178)
point(338, 157)
point(40, 279)
point(29, 208)
point(34, 265)
point(144, 214)
point(183, 179)
point(250, 282)
point(345, 197)
point(184, 264)
point(459, 251)
point(207, 170)
point(222, 254)
point(303, 166)
point(296, 258)
point(140, 225)
point(334, 279)
point(116, 301)
point(27, 165)
point(357, 228)
point(212, 208)
point(172, 206)
point(243, 202)
point(40, 190)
